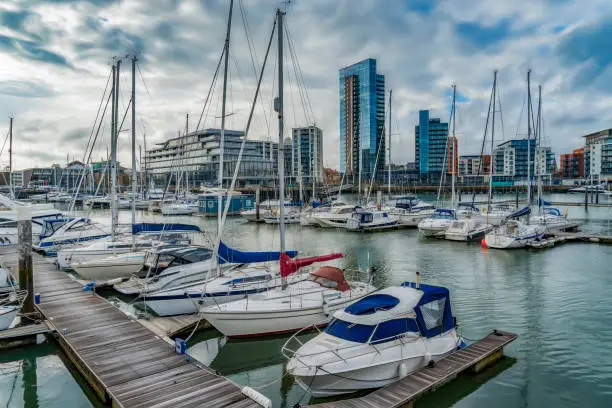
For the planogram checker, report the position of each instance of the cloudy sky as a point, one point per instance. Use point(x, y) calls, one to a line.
point(55, 57)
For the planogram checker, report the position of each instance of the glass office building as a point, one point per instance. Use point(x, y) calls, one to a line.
point(362, 120)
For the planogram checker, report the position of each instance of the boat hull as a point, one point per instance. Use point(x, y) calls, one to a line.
point(186, 304)
point(7, 315)
point(103, 271)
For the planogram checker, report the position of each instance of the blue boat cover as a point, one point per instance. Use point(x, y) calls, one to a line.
point(230, 255)
point(370, 304)
point(147, 227)
point(552, 211)
point(434, 315)
point(444, 213)
point(519, 213)
point(541, 202)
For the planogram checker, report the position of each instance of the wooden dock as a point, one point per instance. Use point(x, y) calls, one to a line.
point(475, 358)
point(562, 237)
point(126, 364)
point(22, 335)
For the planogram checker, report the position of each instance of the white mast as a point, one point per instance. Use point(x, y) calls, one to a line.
point(538, 137)
point(452, 149)
point(389, 147)
point(529, 137)
point(490, 198)
point(114, 138)
point(134, 180)
point(222, 136)
point(11, 158)
point(281, 153)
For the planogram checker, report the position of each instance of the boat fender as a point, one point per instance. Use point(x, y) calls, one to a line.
point(402, 370)
point(428, 360)
point(326, 311)
point(257, 397)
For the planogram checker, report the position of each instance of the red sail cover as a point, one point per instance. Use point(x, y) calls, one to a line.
point(288, 265)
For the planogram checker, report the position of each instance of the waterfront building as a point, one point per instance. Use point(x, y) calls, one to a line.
point(195, 156)
point(362, 119)
point(572, 164)
point(598, 155)
point(431, 140)
point(307, 154)
point(510, 160)
point(474, 169)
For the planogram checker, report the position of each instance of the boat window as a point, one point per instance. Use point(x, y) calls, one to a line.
point(457, 224)
point(163, 261)
point(248, 279)
point(197, 255)
point(433, 313)
point(392, 329)
point(359, 333)
point(326, 283)
point(367, 217)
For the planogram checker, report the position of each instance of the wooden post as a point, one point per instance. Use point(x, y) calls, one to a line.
point(517, 198)
point(257, 203)
point(586, 198)
point(26, 278)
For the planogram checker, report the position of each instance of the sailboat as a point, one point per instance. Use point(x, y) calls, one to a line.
point(514, 233)
point(292, 306)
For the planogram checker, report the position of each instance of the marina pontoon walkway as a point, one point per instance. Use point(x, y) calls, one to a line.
point(126, 364)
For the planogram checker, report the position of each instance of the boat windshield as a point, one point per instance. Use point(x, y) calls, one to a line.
point(362, 333)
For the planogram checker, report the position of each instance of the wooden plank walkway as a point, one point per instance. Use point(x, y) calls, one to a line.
point(476, 356)
point(125, 363)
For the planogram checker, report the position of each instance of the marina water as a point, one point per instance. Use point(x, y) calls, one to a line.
point(557, 300)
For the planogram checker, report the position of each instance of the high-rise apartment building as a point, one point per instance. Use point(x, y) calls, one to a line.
point(307, 154)
point(511, 158)
point(362, 120)
point(431, 140)
point(572, 164)
point(598, 155)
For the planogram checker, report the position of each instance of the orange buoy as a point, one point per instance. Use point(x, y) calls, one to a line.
point(483, 243)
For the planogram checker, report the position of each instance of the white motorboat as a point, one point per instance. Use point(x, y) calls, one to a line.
point(513, 234)
point(370, 220)
point(180, 208)
point(376, 341)
point(594, 188)
point(148, 235)
point(168, 267)
point(111, 267)
point(265, 210)
point(410, 209)
point(283, 310)
point(77, 230)
point(335, 218)
point(467, 229)
point(498, 214)
point(41, 214)
point(7, 281)
point(291, 217)
point(436, 226)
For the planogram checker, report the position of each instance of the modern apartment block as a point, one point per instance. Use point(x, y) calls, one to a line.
point(511, 158)
point(571, 165)
point(474, 165)
point(431, 139)
point(598, 155)
point(362, 120)
point(196, 156)
point(307, 154)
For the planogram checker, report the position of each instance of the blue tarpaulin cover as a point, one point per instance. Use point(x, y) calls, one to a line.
point(147, 227)
point(519, 213)
point(230, 255)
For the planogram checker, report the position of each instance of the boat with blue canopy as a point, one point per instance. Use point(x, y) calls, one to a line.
point(375, 341)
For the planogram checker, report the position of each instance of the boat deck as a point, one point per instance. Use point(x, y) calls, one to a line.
point(474, 357)
point(126, 364)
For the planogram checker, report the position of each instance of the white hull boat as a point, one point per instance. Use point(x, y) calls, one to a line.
point(76, 230)
point(180, 209)
point(467, 229)
point(335, 218)
point(513, 234)
point(302, 304)
point(7, 316)
point(371, 220)
point(113, 267)
point(436, 226)
point(376, 341)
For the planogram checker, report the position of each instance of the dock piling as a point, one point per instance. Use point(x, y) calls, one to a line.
point(26, 278)
point(257, 194)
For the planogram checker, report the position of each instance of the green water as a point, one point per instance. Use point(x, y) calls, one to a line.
point(558, 302)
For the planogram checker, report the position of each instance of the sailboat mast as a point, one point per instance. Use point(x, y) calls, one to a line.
point(113, 172)
point(11, 157)
point(537, 144)
point(222, 136)
point(389, 147)
point(489, 201)
point(529, 137)
point(281, 152)
point(134, 181)
point(453, 148)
